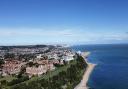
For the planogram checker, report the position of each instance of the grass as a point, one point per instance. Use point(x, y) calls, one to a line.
point(8, 78)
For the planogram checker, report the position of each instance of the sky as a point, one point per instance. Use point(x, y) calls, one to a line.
point(63, 22)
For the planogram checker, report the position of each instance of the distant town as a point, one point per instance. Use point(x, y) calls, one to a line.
point(35, 60)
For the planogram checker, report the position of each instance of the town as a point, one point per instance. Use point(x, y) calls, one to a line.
point(33, 60)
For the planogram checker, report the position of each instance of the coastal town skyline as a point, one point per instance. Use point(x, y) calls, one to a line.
point(63, 22)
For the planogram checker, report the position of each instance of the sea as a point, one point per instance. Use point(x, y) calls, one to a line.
point(111, 71)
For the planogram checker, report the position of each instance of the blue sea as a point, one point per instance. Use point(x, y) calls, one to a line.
point(111, 71)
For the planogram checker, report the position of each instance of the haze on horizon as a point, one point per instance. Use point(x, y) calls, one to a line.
point(63, 22)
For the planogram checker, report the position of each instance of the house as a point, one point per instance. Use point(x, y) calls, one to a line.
point(41, 69)
point(11, 67)
point(36, 70)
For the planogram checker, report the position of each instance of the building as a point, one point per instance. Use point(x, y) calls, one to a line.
point(68, 57)
point(41, 69)
point(11, 67)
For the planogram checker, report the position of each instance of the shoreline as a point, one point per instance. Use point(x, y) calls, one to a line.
point(90, 67)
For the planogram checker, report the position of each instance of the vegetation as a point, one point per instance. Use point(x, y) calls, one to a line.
point(64, 77)
point(1, 62)
point(7, 78)
point(9, 55)
point(27, 57)
point(18, 80)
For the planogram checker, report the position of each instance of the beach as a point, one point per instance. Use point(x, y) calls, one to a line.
point(90, 67)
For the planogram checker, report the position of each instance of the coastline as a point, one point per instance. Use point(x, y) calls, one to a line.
point(90, 67)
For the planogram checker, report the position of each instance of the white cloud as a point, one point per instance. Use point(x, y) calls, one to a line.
point(64, 35)
point(34, 32)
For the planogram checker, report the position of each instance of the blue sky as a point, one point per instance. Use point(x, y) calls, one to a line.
point(63, 21)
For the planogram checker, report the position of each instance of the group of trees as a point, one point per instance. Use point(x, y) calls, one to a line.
point(1, 62)
point(9, 55)
point(18, 80)
point(27, 57)
point(20, 57)
point(5, 83)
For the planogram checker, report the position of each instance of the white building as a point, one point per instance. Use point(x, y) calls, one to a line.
point(79, 52)
point(53, 56)
point(68, 57)
point(39, 56)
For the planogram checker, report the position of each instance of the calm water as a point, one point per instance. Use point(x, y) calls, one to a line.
point(112, 69)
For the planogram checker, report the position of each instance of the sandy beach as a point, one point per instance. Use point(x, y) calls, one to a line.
point(83, 83)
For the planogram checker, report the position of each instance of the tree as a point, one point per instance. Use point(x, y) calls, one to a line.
point(9, 55)
point(1, 62)
point(22, 71)
point(30, 64)
point(3, 82)
point(19, 80)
